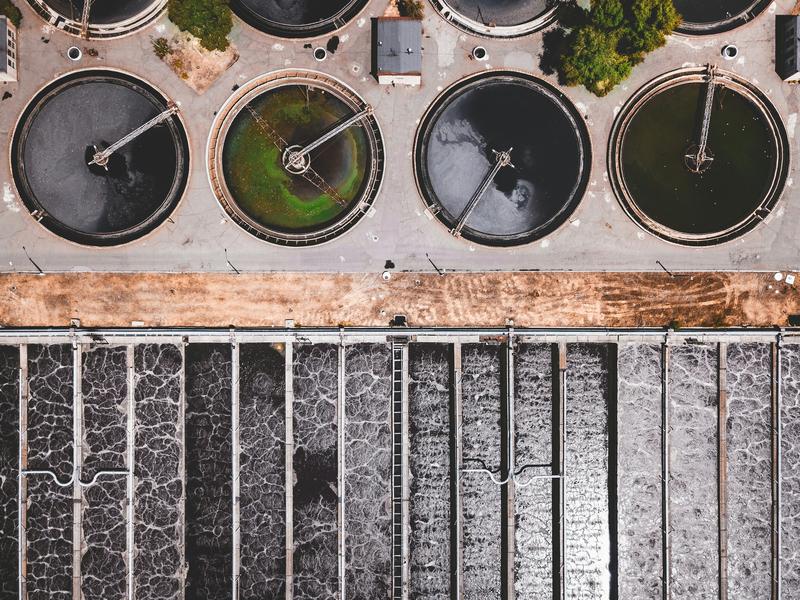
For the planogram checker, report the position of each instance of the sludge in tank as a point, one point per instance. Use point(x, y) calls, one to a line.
point(100, 157)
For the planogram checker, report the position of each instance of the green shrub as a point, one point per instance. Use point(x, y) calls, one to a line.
point(161, 47)
point(208, 20)
point(605, 43)
point(12, 12)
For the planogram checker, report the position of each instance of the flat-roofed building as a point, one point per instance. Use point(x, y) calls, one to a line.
point(8, 49)
point(397, 50)
point(787, 47)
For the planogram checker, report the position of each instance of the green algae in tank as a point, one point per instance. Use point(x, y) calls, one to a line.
point(735, 183)
point(253, 168)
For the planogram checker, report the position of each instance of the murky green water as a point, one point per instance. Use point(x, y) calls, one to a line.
point(733, 186)
point(252, 162)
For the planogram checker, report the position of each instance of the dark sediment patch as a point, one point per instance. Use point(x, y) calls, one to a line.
point(9, 470)
point(315, 494)
point(297, 18)
point(209, 501)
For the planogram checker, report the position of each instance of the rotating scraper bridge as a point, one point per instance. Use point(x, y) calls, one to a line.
point(432, 462)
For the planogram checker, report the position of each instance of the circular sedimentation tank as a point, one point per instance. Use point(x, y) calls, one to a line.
point(502, 158)
point(62, 129)
point(715, 16)
point(686, 190)
point(498, 18)
point(297, 18)
point(107, 18)
point(296, 157)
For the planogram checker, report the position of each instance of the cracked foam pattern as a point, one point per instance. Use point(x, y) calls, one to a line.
point(49, 516)
point(480, 390)
point(262, 473)
point(9, 470)
point(368, 458)
point(693, 502)
point(315, 493)
point(790, 470)
point(209, 468)
point(104, 392)
point(533, 431)
point(158, 500)
point(586, 456)
point(639, 471)
point(429, 465)
point(749, 493)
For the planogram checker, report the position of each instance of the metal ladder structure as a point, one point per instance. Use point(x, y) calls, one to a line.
point(501, 159)
point(399, 500)
point(698, 158)
point(101, 157)
point(87, 7)
point(308, 173)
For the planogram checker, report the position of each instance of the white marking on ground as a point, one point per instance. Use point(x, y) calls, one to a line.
point(8, 198)
point(277, 47)
point(361, 22)
point(791, 124)
point(545, 243)
point(160, 28)
point(640, 235)
point(344, 38)
point(576, 223)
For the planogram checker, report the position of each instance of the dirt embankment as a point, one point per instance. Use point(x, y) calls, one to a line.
point(457, 300)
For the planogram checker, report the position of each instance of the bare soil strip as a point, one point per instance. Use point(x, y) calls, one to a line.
point(451, 300)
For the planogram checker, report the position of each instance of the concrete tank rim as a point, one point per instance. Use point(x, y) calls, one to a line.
point(588, 153)
point(362, 7)
point(106, 247)
point(213, 156)
point(105, 31)
point(681, 76)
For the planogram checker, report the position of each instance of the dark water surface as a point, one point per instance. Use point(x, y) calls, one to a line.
point(495, 114)
point(655, 173)
point(102, 11)
point(297, 18)
point(262, 478)
point(500, 12)
point(54, 144)
point(9, 470)
point(710, 11)
point(209, 503)
point(315, 494)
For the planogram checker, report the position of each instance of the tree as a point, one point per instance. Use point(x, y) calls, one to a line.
point(605, 43)
point(12, 12)
point(607, 14)
point(411, 8)
point(593, 61)
point(208, 20)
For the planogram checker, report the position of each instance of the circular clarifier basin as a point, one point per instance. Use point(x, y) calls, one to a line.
point(687, 190)
point(705, 17)
point(296, 158)
point(297, 18)
point(498, 18)
point(131, 190)
point(502, 158)
point(107, 18)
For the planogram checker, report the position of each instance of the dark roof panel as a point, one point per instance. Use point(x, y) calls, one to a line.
point(398, 46)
